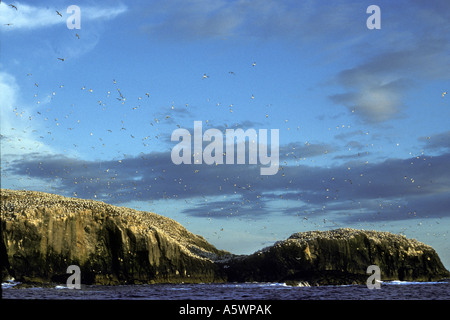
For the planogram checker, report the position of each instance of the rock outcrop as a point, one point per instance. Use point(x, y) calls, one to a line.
point(338, 256)
point(42, 234)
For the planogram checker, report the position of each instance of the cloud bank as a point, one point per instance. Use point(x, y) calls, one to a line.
point(393, 189)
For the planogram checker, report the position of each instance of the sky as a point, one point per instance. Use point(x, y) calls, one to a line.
point(362, 114)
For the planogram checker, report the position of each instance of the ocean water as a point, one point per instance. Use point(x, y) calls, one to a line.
point(392, 290)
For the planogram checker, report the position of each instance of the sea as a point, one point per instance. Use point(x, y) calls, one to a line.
point(230, 300)
point(391, 290)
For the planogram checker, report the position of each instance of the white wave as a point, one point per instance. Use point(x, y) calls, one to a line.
point(180, 289)
point(275, 284)
point(9, 284)
point(398, 282)
point(303, 284)
point(61, 287)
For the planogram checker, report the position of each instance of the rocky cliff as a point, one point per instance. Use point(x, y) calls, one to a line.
point(338, 256)
point(42, 234)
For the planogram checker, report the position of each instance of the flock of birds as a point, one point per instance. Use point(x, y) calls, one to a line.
point(122, 99)
point(42, 115)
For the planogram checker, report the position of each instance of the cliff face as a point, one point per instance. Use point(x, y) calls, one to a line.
point(339, 257)
point(42, 234)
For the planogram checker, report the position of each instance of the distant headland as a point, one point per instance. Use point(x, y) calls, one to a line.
point(42, 234)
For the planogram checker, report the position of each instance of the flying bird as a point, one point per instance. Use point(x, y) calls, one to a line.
point(254, 64)
point(205, 76)
point(62, 59)
point(444, 93)
point(77, 35)
point(12, 6)
point(59, 14)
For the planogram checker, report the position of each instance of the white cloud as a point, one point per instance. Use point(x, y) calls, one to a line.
point(92, 13)
point(373, 103)
point(15, 124)
point(19, 135)
point(28, 17)
point(375, 89)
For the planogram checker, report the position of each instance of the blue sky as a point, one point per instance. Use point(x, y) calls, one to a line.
point(362, 118)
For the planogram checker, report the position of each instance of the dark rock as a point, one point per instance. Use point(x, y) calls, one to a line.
point(338, 257)
point(42, 234)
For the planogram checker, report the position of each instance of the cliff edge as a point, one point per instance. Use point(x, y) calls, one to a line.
point(338, 256)
point(42, 234)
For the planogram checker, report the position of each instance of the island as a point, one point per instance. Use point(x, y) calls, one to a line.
point(42, 234)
